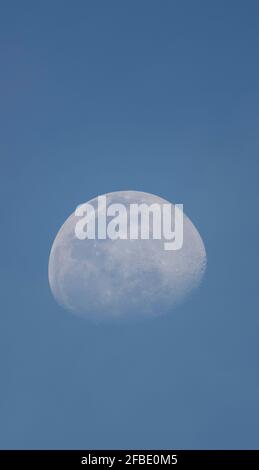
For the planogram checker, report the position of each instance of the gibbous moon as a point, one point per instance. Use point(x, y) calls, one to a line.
point(121, 279)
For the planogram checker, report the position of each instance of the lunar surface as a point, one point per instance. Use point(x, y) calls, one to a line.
point(122, 279)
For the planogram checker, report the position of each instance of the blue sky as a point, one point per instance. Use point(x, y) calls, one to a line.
point(160, 97)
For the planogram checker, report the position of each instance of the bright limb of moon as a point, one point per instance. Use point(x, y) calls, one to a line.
point(115, 279)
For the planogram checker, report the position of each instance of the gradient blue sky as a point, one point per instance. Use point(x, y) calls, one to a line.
point(161, 97)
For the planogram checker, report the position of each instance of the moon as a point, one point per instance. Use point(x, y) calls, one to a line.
point(124, 279)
